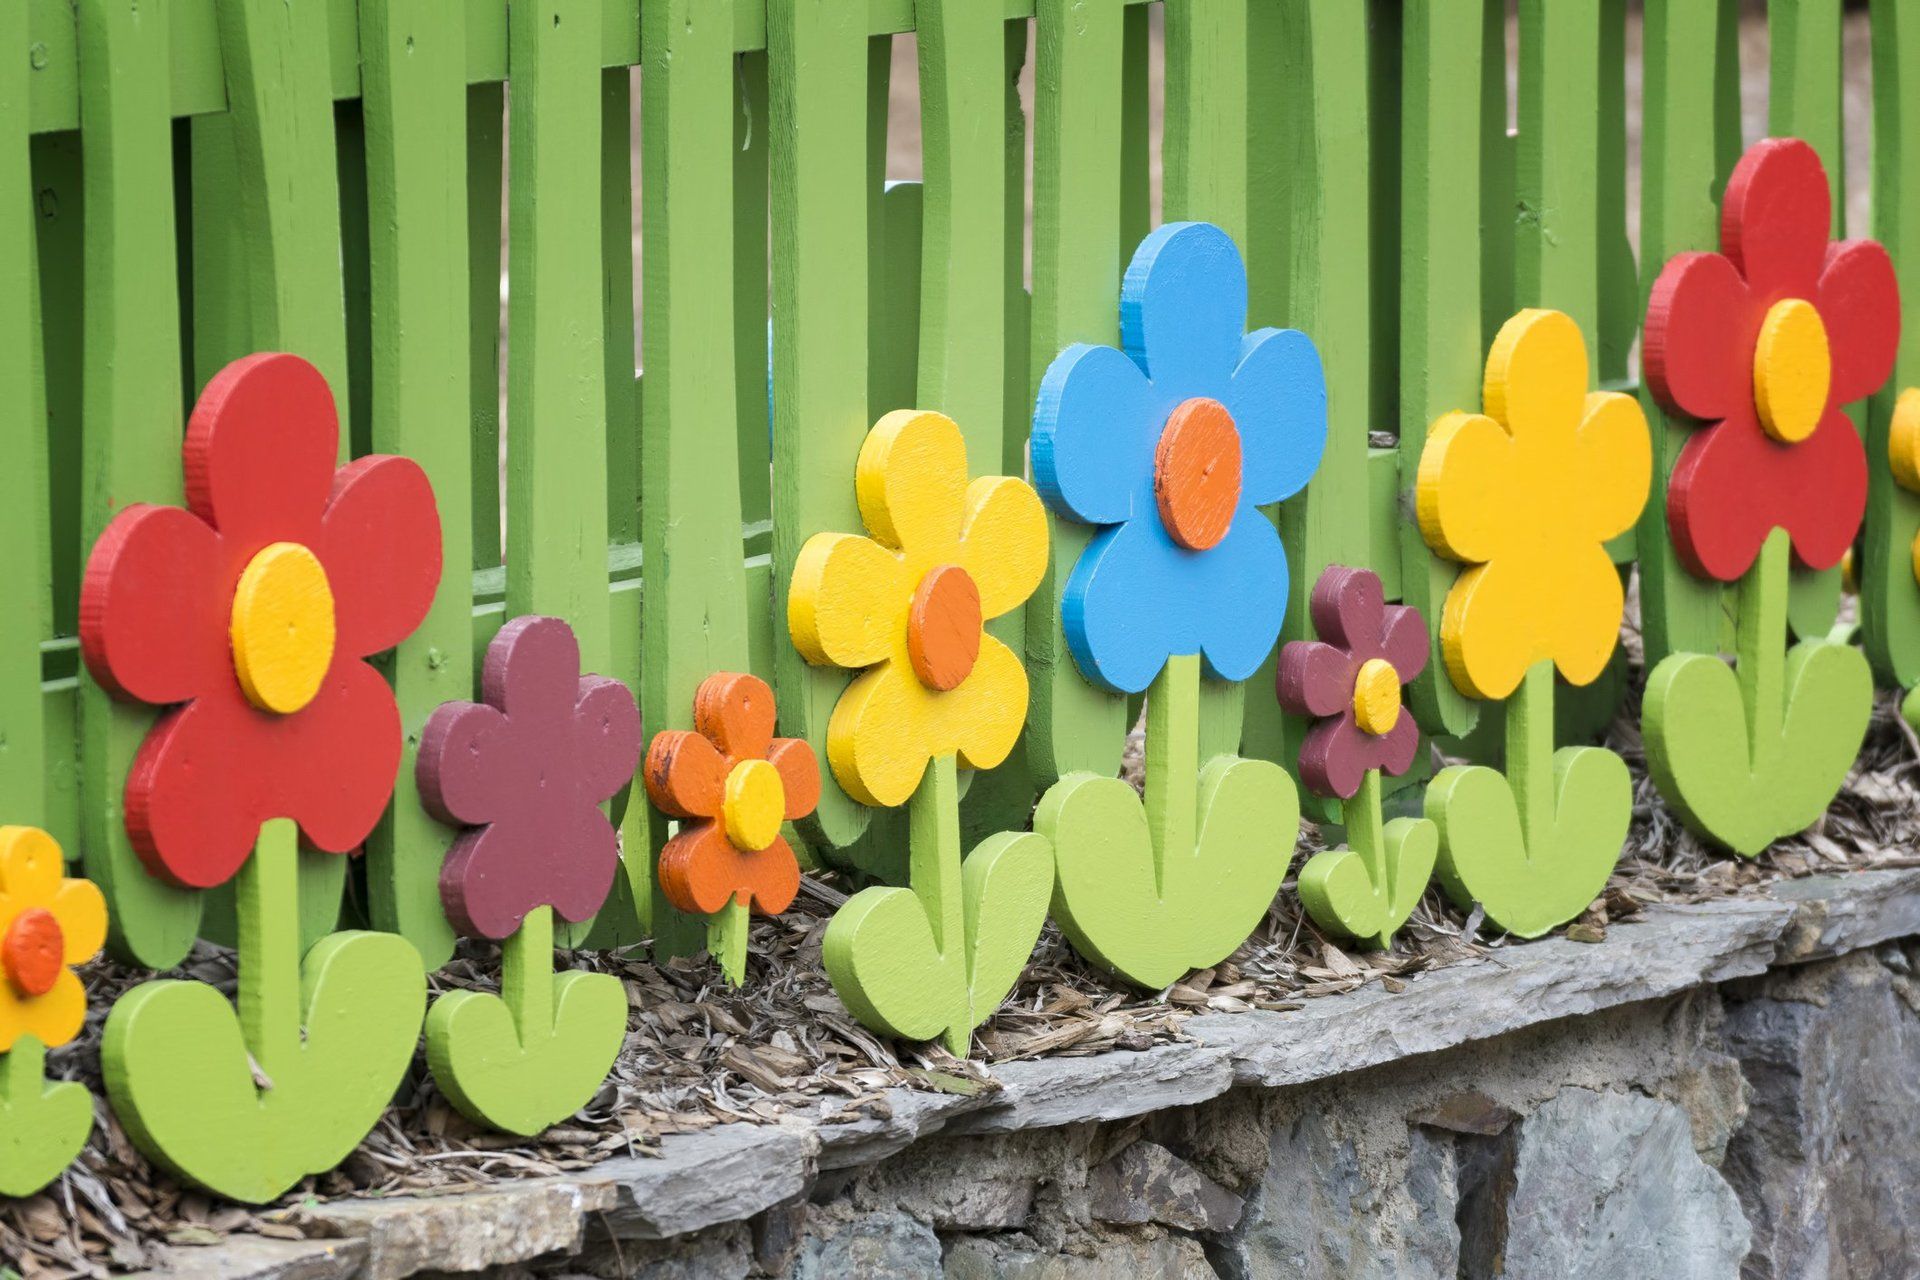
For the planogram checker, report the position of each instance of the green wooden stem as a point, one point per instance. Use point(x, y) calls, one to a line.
point(1173, 761)
point(267, 903)
point(23, 1071)
point(1530, 754)
point(1761, 652)
point(526, 976)
point(1366, 836)
point(727, 939)
point(933, 842)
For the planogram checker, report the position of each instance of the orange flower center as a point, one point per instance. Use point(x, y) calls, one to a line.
point(1376, 697)
point(32, 951)
point(943, 627)
point(282, 628)
point(1196, 473)
point(1792, 370)
point(755, 803)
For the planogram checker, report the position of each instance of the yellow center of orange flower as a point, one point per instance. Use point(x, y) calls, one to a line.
point(282, 628)
point(1196, 473)
point(754, 805)
point(32, 951)
point(943, 627)
point(1376, 697)
point(1792, 370)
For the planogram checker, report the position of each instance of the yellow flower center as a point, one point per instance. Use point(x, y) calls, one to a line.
point(32, 951)
point(1792, 370)
point(754, 805)
point(1376, 696)
point(282, 628)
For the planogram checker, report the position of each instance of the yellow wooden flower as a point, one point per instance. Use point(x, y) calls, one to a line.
point(908, 605)
point(1527, 493)
point(47, 925)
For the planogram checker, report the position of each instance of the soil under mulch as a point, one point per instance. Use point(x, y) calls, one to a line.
point(699, 1053)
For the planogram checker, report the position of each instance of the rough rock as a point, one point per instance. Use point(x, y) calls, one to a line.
point(1119, 1258)
point(1828, 1159)
point(724, 1174)
point(721, 1253)
point(1607, 1185)
point(874, 1246)
point(1148, 1183)
point(1672, 949)
point(1044, 1092)
point(460, 1232)
point(1839, 914)
point(259, 1258)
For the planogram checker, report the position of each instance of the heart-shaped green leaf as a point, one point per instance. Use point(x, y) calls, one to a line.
point(1529, 888)
point(897, 977)
point(1151, 915)
point(522, 1080)
point(43, 1124)
point(1745, 788)
point(178, 1070)
point(1340, 892)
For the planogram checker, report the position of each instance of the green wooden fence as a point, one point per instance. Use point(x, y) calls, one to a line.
point(182, 181)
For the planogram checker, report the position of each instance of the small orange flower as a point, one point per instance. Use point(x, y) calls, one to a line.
point(47, 924)
point(731, 783)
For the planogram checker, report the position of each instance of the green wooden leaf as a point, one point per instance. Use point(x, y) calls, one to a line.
point(1533, 846)
point(43, 1124)
point(1367, 891)
point(1151, 890)
point(246, 1103)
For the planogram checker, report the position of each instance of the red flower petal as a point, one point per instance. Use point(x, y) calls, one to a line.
point(153, 606)
point(331, 766)
point(466, 763)
point(1701, 327)
point(1775, 218)
point(1733, 484)
point(260, 449)
point(1347, 607)
point(1859, 302)
point(1314, 678)
point(190, 799)
point(380, 543)
point(1334, 758)
point(489, 882)
point(606, 736)
point(1404, 642)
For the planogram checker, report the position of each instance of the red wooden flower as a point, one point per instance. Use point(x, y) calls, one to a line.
point(1351, 677)
point(731, 783)
point(253, 607)
point(1766, 342)
point(527, 771)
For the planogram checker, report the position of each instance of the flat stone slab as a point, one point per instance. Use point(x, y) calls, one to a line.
point(731, 1172)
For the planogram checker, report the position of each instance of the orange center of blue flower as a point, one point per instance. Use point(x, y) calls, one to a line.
point(1196, 473)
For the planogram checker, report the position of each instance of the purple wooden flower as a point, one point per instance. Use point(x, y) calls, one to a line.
point(526, 771)
point(1350, 679)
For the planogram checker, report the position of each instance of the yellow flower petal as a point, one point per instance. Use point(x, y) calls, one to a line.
point(1536, 372)
point(53, 1018)
point(912, 481)
point(1614, 464)
point(82, 913)
point(1465, 469)
point(30, 867)
point(848, 604)
point(991, 707)
point(1586, 611)
point(1004, 546)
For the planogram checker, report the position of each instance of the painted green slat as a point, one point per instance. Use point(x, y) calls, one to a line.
point(750, 130)
point(1889, 598)
point(1441, 347)
point(1497, 148)
point(818, 69)
point(1803, 101)
point(1330, 297)
point(693, 615)
point(486, 151)
point(28, 617)
point(1079, 174)
point(556, 368)
point(1384, 23)
point(1016, 398)
point(1678, 212)
point(616, 266)
point(1556, 223)
point(133, 416)
point(57, 187)
point(1136, 127)
point(220, 322)
point(1619, 320)
point(350, 167)
point(416, 115)
point(893, 315)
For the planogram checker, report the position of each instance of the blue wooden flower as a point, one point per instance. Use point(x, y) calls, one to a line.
point(1170, 446)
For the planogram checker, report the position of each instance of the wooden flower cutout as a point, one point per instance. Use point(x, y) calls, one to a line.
point(526, 769)
point(1903, 452)
point(1528, 494)
point(731, 783)
point(253, 608)
point(908, 605)
point(48, 924)
point(1350, 680)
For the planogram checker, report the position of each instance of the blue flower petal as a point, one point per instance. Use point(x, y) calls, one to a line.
point(1278, 399)
point(1135, 598)
point(1183, 307)
point(1094, 431)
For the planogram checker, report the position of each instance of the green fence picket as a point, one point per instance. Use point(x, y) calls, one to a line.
point(486, 157)
point(133, 421)
point(750, 301)
point(1556, 212)
point(556, 401)
point(416, 115)
point(818, 55)
point(1619, 320)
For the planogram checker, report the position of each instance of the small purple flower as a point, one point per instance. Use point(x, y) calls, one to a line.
point(1350, 679)
point(526, 771)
